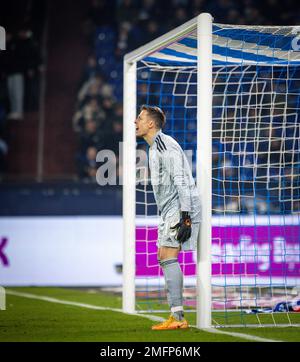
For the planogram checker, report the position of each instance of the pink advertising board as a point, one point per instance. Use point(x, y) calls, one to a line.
point(237, 250)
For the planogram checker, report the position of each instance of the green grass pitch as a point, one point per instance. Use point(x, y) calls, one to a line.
point(38, 320)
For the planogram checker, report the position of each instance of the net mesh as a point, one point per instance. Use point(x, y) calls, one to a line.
point(255, 183)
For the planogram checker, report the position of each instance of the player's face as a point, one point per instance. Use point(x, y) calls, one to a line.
point(142, 124)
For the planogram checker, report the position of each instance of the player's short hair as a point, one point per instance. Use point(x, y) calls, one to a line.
point(156, 114)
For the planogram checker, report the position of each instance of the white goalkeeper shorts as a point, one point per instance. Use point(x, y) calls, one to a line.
point(167, 235)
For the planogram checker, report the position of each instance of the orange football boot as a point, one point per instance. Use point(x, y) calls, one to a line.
point(170, 324)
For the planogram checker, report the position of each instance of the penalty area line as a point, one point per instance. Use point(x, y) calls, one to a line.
point(118, 310)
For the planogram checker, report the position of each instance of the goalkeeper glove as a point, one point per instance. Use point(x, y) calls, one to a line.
point(184, 227)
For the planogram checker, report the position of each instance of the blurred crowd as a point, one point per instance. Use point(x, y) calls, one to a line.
point(20, 64)
point(98, 121)
point(114, 28)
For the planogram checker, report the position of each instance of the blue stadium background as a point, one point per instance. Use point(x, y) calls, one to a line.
point(73, 69)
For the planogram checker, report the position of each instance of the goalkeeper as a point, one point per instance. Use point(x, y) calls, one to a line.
point(179, 205)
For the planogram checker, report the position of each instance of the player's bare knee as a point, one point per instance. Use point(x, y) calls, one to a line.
point(167, 253)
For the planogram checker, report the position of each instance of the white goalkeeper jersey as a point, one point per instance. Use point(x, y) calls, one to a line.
point(171, 178)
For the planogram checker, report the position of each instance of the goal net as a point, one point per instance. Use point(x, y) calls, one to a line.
point(255, 171)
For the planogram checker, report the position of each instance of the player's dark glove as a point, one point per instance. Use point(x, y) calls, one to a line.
point(184, 227)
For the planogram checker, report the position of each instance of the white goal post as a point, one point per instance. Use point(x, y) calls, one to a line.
point(231, 94)
point(204, 24)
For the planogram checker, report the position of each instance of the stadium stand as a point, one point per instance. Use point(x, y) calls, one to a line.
point(138, 23)
point(110, 29)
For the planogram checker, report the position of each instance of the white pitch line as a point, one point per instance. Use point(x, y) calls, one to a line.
point(60, 301)
point(147, 316)
point(240, 335)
